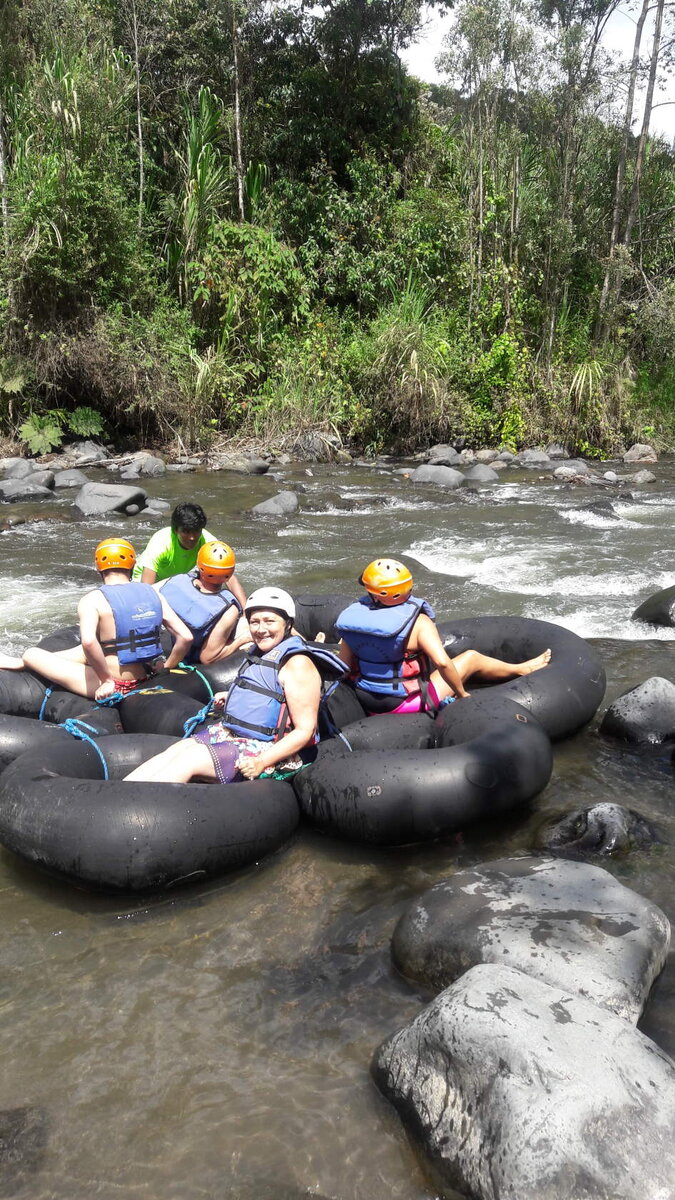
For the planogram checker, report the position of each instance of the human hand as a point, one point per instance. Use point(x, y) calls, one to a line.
point(219, 699)
point(104, 690)
point(252, 767)
point(463, 695)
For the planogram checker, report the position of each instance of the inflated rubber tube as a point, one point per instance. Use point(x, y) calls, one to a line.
point(18, 735)
point(25, 695)
point(562, 696)
point(62, 816)
point(494, 757)
point(154, 709)
point(318, 614)
point(658, 609)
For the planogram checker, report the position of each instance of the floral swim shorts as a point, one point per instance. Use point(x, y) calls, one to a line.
point(228, 751)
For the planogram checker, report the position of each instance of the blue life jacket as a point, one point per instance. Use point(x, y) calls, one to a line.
point(201, 611)
point(256, 705)
point(137, 612)
point(377, 635)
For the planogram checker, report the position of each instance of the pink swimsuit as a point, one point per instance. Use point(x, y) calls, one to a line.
point(415, 704)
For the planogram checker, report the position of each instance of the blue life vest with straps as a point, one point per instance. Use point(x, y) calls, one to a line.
point(200, 611)
point(256, 705)
point(137, 612)
point(377, 635)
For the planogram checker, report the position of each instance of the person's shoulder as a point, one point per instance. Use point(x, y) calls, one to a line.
point(91, 599)
point(299, 665)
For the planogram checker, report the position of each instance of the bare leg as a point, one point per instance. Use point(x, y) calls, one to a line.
point(9, 663)
point(473, 664)
point(179, 764)
point(66, 667)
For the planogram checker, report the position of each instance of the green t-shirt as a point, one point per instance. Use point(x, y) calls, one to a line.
point(165, 555)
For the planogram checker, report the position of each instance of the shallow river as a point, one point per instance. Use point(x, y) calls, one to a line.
point(215, 1042)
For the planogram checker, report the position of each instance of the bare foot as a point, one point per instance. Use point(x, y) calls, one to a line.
point(7, 663)
point(535, 664)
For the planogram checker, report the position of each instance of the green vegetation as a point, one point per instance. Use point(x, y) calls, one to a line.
point(228, 218)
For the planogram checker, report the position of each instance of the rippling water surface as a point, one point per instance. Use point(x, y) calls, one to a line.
point(216, 1042)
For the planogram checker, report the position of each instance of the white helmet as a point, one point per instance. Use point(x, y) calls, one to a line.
point(273, 598)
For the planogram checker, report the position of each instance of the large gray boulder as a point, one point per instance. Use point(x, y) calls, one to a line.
point(645, 715)
point(20, 468)
point(534, 459)
point(569, 924)
point(443, 455)
point(149, 465)
point(519, 1090)
point(481, 474)
point(86, 453)
point(281, 505)
point(70, 479)
point(445, 477)
point(12, 491)
point(97, 499)
point(639, 453)
point(43, 478)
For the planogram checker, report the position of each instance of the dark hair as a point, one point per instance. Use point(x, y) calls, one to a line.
point(191, 518)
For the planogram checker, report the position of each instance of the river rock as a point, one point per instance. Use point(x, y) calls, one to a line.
point(149, 465)
point(506, 456)
point(97, 499)
point(599, 829)
point(658, 609)
point(611, 476)
point(445, 477)
point(644, 715)
point(23, 1142)
point(14, 490)
point(443, 455)
point(486, 456)
point(181, 468)
point(569, 924)
point(316, 447)
point(85, 453)
point(482, 474)
point(71, 478)
point(44, 478)
point(521, 1090)
point(640, 452)
point(642, 477)
point(20, 468)
point(602, 508)
point(6, 463)
point(534, 459)
point(555, 450)
point(280, 505)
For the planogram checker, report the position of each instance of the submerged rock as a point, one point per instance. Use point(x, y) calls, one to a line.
point(598, 829)
point(658, 609)
point(13, 491)
point(445, 477)
point(569, 924)
point(519, 1090)
point(280, 505)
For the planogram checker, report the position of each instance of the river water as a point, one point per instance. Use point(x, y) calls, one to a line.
point(215, 1042)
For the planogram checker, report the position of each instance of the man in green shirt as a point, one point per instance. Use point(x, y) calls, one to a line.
point(174, 550)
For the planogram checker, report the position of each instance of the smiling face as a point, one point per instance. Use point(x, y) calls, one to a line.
point(268, 628)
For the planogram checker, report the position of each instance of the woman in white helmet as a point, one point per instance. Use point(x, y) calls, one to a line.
point(270, 714)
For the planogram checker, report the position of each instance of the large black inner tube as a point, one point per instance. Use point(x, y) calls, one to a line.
point(60, 814)
point(562, 696)
point(487, 755)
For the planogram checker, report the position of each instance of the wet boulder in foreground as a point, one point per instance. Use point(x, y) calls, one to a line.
point(519, 1090)
point(97, 499)
point(645, 715)
point(13, 491)
point(569, 924)
point(598, 829)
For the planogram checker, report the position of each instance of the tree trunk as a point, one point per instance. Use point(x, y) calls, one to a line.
point(238, 152)
point(633, 203)
point(139, 121)
point(608, 288)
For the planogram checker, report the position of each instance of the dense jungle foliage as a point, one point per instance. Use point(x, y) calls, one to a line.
point(230, 217)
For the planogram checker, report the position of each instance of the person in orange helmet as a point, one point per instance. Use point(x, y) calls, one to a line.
point(397, 661)
point(202, 599)
point(120, 624)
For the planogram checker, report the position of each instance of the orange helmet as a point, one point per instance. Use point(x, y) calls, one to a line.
point(215, 562)
point(114, 553)
point(387, 580)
